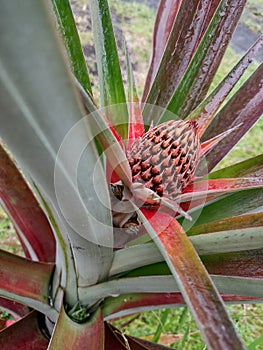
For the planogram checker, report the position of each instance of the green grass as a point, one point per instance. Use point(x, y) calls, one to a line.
point(179, 330)
point(253, 15)
point(8, 237)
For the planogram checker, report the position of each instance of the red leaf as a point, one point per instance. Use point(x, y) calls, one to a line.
point(194, 282)
point(25, 334)
point(14, 308)
point(239, 264)
point(70, 335)
point(25, 277)
point(230, 15)
point(205, 113)
point(136, 124)
point(177, 56)
point(126, 303)
point(165, 18)
point(21, 205)
point(243, 109)
point(207, 188)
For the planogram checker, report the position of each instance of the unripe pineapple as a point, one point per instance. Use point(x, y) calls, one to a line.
point(165, 158)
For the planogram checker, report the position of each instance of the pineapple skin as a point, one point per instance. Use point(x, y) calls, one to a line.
point(165, 158)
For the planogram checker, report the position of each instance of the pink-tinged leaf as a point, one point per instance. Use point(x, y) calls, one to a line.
point(25, 334)
point(209, 15)
point(24, 277)
point(193, 280)
point(179, 51)
point(208, 188)
point(136, 124)
point(240, 264)
point(200, 72)
point(22, 207)
point(233, 223)
point(210, 144)
point(69, 335)
point(244, 108)
point(205, 113)
point(166, 15)
point(15, 309)
point(195, 86)
point(241, 299)
point(165, 18)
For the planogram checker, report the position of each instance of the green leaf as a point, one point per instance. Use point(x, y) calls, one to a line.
point(228, 240)
point(46, 115)
point(130, 258)
point(255, 343)
point(114, 339)
point(161, 325)
point(71, 38)
point(111, 85)
point(228, 206)
point(249, 167)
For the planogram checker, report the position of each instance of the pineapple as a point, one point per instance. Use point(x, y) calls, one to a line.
point(165, 158)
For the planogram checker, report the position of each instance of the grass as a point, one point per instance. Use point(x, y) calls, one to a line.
point(178, 329)
point(171, 327)
point(253, 15)
point(8, 238)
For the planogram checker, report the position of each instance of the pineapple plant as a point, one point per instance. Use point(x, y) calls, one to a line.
point(101, 194)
